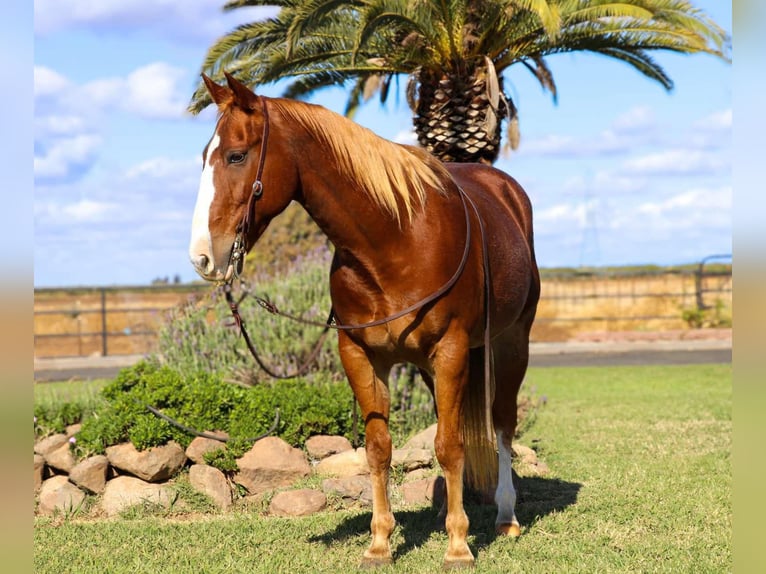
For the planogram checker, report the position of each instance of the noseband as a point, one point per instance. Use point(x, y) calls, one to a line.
point(239, 248)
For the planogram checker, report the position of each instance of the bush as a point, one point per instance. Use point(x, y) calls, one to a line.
point(52, 418)
point(201, 335)
point(717, 316)
point(58, 405)
point(203, 401)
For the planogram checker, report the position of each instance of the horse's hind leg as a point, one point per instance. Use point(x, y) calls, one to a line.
point(451, 377)
point(511, 353)
point(368, 382)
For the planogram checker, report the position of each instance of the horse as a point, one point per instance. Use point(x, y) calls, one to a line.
point(433, 265)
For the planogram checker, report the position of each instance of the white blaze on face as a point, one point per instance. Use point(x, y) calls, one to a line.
point(201, 242)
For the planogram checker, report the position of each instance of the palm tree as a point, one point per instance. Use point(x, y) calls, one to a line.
point(452, 52)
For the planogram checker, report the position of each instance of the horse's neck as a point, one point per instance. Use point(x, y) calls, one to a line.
point(347, 215)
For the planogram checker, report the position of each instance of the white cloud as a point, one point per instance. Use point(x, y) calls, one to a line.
point(636, 119)
point(408, 137)
point(712, 132)
point(169, 19)
point(153, 91)
point(48, 82)
point(70, 118)
point(59, 124)
point(604, 182)
point(721, 120)
point(125, 211)
point(87, 210)
point(560, 214)
point(693, 203)
point(64, 155)
point(607, 142)
point(677, 162)
point(164, 168)
point(632, 129)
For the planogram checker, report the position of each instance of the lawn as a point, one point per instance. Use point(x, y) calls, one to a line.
point(640, 481)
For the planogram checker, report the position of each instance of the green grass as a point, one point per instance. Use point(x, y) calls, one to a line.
point(58, 404)
point(640, 481)
point(54, 393)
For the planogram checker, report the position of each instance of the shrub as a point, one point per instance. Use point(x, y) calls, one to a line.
point(719, 315)
point(52, 418)
point(203, 401)
point(200, 400)
point(201, 336)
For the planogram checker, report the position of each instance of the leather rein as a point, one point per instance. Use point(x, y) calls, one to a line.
point(239, 250)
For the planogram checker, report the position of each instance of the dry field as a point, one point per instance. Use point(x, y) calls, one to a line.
point(570, 306)
point(72, 322)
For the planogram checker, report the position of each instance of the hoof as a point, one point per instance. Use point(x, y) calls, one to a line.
point(511, 529)
point(371, 562)
point(459, 564)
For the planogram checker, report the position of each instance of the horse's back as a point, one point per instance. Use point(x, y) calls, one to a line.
point(506, 213)
point(490, 188)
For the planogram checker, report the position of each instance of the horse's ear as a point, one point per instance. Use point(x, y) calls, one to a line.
point(243, 96)
point(221, 95)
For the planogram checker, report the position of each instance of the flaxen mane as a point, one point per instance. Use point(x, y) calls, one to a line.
point(395, 176)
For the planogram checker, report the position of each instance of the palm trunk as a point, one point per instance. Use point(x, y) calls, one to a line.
point(456, 118)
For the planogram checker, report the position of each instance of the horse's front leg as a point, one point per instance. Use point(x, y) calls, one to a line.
point(451, 373)
point(369, 383)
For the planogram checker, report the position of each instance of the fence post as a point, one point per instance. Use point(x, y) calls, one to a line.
point(104, 350)
point(698, 286)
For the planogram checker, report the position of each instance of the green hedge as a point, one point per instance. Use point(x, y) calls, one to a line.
point(205, 402)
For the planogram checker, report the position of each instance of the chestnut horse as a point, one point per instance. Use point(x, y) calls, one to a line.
point(404, 226)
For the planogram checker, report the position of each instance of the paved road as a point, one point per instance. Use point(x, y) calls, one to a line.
point(541, 355)
point(630, 353)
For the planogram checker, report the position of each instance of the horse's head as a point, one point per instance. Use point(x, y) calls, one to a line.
point(235, 177)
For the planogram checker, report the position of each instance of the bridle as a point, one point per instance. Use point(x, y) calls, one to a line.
point(239, 250)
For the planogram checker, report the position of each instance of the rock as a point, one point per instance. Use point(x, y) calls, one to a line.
point(422, 491)
point(49, 443)
point(525, 454)
point(201, 445)
point(58, 494)
point(297, 502)
point(411, 458)
point(321, 446)
point(90, 474)
point(153, 465)
point(72, 430)
point(212, 482)
point(350, 488)
point(125, 491)
point(424, 439)
point(270, 464)
point(60, 458)
point(39, 468)
point(349, 463)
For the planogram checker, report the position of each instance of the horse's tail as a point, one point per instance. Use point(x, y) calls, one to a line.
point(478, 430)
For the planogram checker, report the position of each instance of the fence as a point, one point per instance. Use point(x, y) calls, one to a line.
point(577, 302)
point(119, 321)
point(104, 320)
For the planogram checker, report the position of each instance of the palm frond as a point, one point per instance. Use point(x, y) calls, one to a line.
point(445, 46)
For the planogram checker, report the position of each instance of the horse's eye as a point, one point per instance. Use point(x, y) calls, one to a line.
point(237, 157)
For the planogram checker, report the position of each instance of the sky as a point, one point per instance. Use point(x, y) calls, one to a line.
point(619, 171)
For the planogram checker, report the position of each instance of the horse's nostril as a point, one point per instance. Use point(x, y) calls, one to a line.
point(201, 262)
